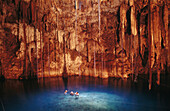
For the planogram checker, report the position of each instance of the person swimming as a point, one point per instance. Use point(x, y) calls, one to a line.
point(65, 92)
point(76, 94)
point(72, 93)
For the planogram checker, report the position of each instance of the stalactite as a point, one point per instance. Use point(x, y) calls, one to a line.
point(48, 56)
point(25, 65)
point(87, 51)
point(87, 35)
point(115, 41)
point(167, 38)
point(99, 14)
point(123, 9)
point(18, 29)
point(64, 52)
point(162, 36)
point(58, 40)
point(43, 42)
point(157, 42)
point(41, 50)
point(76, 3)
point(16, 2)
point(133, 19)
point(76, 31)
point(94, 58)
point(123, 20)
point(55, 40)
point(32, 10)
point(29, 52)
point(64, 69)
point(149, 42)
point(4, 11)
point(25, 57)
point(132, 55)
point(134, 33)
point(35, 39)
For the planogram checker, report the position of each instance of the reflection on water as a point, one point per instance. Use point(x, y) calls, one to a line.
point(65, 81)
point(95, 94)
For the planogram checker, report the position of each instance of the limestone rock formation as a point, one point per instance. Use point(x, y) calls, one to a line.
point(100, 38)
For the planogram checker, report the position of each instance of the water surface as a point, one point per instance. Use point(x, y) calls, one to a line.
point(95, 95)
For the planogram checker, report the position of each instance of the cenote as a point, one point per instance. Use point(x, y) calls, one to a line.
point(87, 46)
point(96, 94)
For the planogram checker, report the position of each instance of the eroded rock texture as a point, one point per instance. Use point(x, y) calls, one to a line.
point(100, 38)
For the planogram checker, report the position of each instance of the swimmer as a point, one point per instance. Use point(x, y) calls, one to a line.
point(65, 92)
point(72, 93)
point(76, 94)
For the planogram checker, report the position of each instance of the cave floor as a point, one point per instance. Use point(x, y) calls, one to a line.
point(95, 95)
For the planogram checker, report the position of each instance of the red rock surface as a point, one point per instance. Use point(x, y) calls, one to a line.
point(63, 37)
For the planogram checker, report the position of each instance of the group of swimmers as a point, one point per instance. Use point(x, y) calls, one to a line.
point(72, 93)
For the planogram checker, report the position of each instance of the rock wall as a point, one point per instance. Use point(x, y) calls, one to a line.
point(100, 38)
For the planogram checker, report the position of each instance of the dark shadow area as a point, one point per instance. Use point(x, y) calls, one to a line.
point(65, 81)
point(2, 77)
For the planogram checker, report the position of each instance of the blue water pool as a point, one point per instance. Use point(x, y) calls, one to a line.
point(95, 95)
